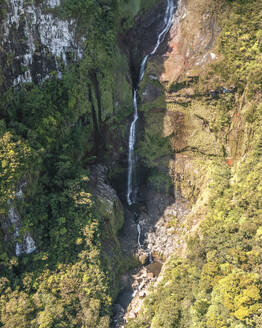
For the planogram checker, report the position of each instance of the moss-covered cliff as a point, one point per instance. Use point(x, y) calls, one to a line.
point(66, 99)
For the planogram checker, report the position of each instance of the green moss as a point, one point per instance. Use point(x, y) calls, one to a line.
point(111, 211)
point(159, 103)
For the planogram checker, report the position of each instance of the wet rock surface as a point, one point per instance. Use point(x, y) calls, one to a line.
point(141, 39)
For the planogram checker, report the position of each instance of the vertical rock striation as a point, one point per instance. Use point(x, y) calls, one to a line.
point(36, 41)
point(27, 245)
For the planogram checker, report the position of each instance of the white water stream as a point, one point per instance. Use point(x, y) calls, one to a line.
point(131, 186)
point(139, 234)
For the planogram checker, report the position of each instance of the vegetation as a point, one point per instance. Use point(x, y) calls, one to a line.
point(153, 148)
point(218, 284)
point(50, 134)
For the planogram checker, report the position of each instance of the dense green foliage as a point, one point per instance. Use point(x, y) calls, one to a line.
point(219, 283)
point(39, 146)
point(49, 135)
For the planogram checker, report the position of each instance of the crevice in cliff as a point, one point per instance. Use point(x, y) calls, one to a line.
point(93, 77)
point(196, 150)
point(140, 39)
point(95, 121)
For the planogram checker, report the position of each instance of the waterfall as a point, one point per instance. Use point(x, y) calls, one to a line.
point(150, 258)
point(131, 186)
point(139, 234)
point(131, 152)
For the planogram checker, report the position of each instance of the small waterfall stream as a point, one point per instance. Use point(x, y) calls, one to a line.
point(131, 154)
point(131, 181)
point(139, 234)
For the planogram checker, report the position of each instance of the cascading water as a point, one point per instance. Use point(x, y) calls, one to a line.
point(131, 185)
point(131, 153)
point(139, 234)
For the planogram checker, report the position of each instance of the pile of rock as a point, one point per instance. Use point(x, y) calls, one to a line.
point(141, 281)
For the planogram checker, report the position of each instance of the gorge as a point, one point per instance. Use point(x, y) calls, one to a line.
point(130, 175)
point(132, 186)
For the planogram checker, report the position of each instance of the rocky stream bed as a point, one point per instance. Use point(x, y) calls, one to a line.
point(161, 218)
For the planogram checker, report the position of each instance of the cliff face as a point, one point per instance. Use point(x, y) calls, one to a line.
point(201, 143)
point(183, 106)
point(35, 41)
